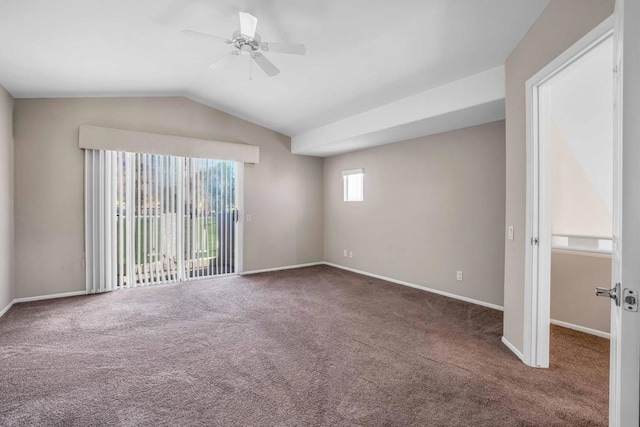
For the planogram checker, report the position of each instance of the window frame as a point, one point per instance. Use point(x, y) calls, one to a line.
point(350, 178)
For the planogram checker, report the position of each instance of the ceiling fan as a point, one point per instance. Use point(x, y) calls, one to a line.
point(247, 42)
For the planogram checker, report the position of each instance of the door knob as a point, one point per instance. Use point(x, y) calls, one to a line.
point(613, 293)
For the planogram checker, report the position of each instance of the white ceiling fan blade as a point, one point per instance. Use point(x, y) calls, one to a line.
point(248, 24)
point(292, 48)
point(223, 61)
point(265, 64)
point(199, 34)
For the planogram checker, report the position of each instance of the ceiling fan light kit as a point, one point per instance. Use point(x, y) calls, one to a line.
point(247, 42)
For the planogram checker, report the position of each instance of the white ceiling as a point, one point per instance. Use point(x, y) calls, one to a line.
point(361, 54)
point(465, 102)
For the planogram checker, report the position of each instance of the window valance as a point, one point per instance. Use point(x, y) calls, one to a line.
point(100, 138)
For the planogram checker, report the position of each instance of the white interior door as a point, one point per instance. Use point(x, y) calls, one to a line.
point(625, 324)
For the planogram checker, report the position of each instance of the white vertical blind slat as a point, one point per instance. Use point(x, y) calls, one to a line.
point(130, 220)
point(167, 235)
point(179, 220)
point(225, 212)
point(151, 250)
point(138, 218)
point(100, 246)
point(193, 216)
point(196, 229)
point(114, 221)
point(200, 219)
point(153, 221)
point(210, 219)
point(187, 216)
point(96, 225)
point(88, 219)
point(162, 235)
point(229, 217)
point(216, 209)
point(146, 221)
point(120, 220)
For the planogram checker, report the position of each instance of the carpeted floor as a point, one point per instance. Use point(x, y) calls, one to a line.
point(314, 346)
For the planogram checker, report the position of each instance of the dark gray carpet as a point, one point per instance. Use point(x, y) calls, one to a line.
point(314, 346)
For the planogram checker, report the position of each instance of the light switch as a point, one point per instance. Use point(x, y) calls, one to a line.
point(510, 233)
point(248, 218)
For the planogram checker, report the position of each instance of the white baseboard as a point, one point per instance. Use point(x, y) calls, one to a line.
point(4, 310)
point(52, 296)
point(581, 329)
point(287, 267)
point(513, 349)
point(39, 298)
point(424, 288)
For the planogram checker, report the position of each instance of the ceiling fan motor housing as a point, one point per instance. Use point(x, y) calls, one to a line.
point(246, 45)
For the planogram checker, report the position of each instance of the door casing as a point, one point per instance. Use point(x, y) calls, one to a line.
point(538, 222)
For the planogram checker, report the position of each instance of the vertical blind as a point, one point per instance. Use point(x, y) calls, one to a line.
point(153, 219)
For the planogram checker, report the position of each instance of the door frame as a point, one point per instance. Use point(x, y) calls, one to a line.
point(538, 221)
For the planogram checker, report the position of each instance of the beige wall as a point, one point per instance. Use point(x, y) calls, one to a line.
point(562, 23)
point(6, 199)
point(283, 193)
point(573, 278)
point(433, 205)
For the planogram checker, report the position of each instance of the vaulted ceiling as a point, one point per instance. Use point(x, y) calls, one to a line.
point(361, 54)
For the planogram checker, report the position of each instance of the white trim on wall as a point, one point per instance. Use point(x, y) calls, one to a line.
point(286, 267)
point(581, 328)
point(51, 296)
point(513, 348)
point(291, 267)
point(424, 288)
point(40, 298)
point(4, 310)
point(353, 270)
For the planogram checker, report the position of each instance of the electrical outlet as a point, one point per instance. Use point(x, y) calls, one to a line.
point(350, 254)
point(459, 276)
point(345, 253)
point(510, 232)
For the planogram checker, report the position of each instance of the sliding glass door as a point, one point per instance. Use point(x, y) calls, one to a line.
point(159, 219)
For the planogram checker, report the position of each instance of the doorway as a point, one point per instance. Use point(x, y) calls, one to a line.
point(576, 113)
point(625, 322)
point(570, 150)
point(570, 207)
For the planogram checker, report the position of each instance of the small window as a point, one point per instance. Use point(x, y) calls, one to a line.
point(353, 185)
